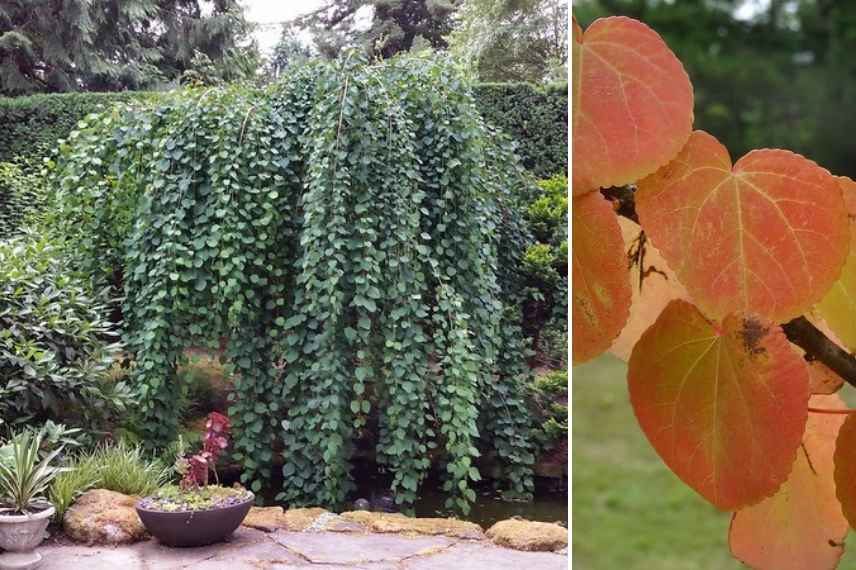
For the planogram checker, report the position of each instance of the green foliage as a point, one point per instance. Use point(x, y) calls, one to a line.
point(549, 393)
point(127, 469)
point(535, 117)
point(112, 45)
point(54, 340)
point(350, 229)
point(22, 194)
point(33, 125)
point(548, 214)
point(26, 476)
point(544, 266)
point(81, 476)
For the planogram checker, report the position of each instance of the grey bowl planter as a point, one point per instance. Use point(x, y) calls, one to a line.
point(194, 528)
point(23, 533)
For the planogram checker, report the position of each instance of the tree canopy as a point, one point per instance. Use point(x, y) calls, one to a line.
point(110, 45)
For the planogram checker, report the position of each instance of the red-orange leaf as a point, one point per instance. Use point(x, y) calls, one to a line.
point(723, 405)
point(801, 526)
point(632, 103)
point(768, 235)
point(845, 468)
point(601, 284)
point(659, 286)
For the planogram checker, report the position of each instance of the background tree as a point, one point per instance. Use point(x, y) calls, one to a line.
point(382, 27)
point(289, 50)
point(111, 45)
point(514, 40)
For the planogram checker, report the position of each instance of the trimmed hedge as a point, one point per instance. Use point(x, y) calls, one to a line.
point(537, 118)
point(34, 123)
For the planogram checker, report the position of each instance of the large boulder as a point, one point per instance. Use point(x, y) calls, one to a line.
point(100, 516)
point(400, 524)
point(521, 534)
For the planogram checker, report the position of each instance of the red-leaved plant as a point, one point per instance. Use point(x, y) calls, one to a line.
point(195, 468)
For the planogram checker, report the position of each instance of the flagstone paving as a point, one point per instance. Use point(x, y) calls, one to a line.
point(250, 549)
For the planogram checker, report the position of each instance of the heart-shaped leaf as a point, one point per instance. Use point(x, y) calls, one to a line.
point(768, 235)
point(601, 283)
point(838, 306)
point(632, 103)
point(723, 405)
point(801, 526)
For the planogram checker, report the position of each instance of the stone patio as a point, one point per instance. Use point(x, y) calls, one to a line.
point(281, 550)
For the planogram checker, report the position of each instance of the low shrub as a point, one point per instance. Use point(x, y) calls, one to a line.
point(549, 396)
point(81, 476)
point(22, 195)
point(126, 469)
point(56, 344)
point(545, 265)
point(116, 467)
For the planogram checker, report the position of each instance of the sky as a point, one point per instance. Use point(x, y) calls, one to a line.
point(272, 12)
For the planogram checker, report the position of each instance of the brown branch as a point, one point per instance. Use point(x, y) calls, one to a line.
point(818, 346)
point(800, 331)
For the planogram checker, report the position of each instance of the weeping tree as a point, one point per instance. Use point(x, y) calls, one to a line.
point(353, 230)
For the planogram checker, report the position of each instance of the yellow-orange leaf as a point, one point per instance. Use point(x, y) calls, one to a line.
point(659, 286)
point(838, 306)
point(632, 103)
point(601, 284)
point(724, 405)
point(801, 526)
point(768, 235)
point(845, 468)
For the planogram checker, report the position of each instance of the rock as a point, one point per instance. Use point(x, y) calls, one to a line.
point(299, 520)
point(521, 534)
point(100, 516)
point(267, 519)
point(332, 522)
point(400, 524)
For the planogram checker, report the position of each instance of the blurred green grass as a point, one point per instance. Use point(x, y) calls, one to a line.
point(630, 512)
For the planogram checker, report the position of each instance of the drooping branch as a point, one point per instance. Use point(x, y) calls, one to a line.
point(800, 331)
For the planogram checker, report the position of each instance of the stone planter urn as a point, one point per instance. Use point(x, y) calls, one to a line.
point(20, 535)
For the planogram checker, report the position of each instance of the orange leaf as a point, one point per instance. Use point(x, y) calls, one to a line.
point(768, 235)
point(632, 103)
point(601, 284)
point(658, 288)
point(822, 380)
point(723, 405)
point(801, 526)
point(845, 468)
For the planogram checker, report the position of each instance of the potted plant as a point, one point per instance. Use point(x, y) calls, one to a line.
point(194, 513)
point(24, 511)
